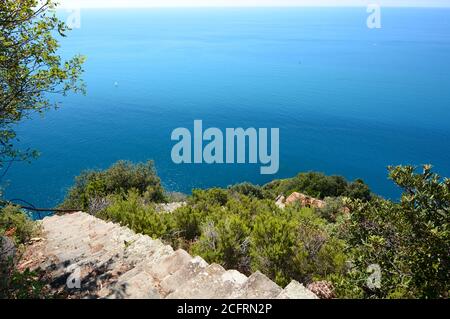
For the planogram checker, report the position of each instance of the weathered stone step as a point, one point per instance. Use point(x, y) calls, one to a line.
point(258, 286)
point(296, 290)
point(167, 265)
point(212, 282)
point(139, 286)
point(184, 274)
point(114, 262)
point(202, 285)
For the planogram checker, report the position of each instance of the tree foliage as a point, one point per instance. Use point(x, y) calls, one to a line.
point(410, 240)
point(30, 67)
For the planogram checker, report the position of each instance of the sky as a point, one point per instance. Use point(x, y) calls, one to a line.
point(244, 3)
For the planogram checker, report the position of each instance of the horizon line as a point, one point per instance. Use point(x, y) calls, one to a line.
point(246, 6)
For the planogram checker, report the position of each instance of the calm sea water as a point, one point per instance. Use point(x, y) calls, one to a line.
point(348, 100)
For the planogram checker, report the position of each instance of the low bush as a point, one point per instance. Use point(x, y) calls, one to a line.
point(226, 242)
point(295, 245)
point(13, 219)
point(334, 207)
point(409, 241)
point(318, 185)
point(132, 212)
point(16, 229)
point(119, 179)
point(248, 189)
point(20, 284)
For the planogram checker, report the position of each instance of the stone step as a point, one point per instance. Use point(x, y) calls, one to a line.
point(233, 281)
point(67, 232)
point(139, 286)
point(91, 244)
point(117, 263)
point(296, 290)
point(258, 286)
point(114, 262)
point(213, 282)
point(184, 274)
point(168, 265)
point(139, 253)
point(200, 286)
point(74, 220)
point(156, 255)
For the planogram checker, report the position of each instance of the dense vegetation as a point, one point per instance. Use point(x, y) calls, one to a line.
point(241, 227)
point(16, 229)
point(319, 185)
point(410, 240)
point(92, 188)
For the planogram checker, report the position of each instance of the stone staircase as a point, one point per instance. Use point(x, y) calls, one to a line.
point(110, 261)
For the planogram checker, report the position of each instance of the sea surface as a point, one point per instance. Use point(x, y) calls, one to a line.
point(347, 99)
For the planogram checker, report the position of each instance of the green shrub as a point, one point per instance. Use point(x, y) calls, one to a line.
point(273, 247)
point(358, 190)
point(12, 217)
point(20, 285)
point(248, 208)
point(176, 197)
point(187, 222)
point(210, 197)
point(334, 206)
point(13, 283)
point(240, 231)
point(132, 212)
point(116, 180)
point(410, 241)
point(295, 245)
point(247, 189)
point(201, 205)
point(225, 242)
point(318, 185)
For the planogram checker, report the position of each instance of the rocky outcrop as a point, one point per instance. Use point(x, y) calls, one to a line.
point(323, 289)
point(302, 199)
point(86, 257)
point(7, 249)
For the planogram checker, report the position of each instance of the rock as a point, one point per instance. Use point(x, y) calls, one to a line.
point(7, 249)
point(168, 265)
point(304, 200)
point(323, 289)
point(258, 286)
point(185, 273)
point(295, 290)
point(140, 286)
point(210, 283)
point(11, 232)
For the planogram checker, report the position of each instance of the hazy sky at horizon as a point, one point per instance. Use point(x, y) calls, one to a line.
point(227, 3)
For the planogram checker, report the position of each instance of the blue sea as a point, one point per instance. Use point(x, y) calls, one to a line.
point(348, 100)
